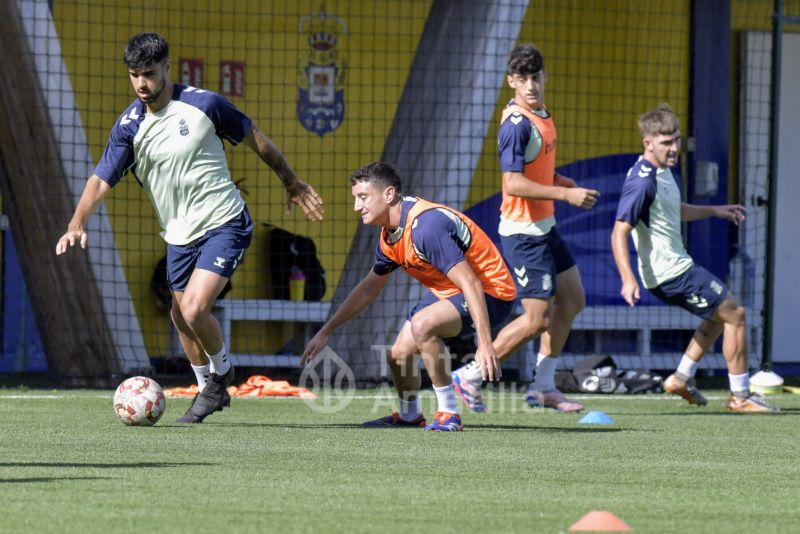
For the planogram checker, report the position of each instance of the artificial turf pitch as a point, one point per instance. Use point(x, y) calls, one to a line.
point(267, 465)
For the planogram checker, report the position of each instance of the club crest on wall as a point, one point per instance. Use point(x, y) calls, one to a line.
point(321, 73)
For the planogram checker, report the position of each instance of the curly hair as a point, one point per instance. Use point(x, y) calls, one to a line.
point(525, 60)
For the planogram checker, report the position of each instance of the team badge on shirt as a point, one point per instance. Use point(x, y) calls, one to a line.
point(321, 74)
point(716, 287)
point(547, 282)
point(184, 128)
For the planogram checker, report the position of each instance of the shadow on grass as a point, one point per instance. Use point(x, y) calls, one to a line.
point(291, 425)
point(784, 411)
point(788, 411)
point(583, 429)
point(131, 465)
point(45, 479)
point(480, 427)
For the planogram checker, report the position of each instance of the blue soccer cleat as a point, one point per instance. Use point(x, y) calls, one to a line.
point(394, 420)
point(445, 422)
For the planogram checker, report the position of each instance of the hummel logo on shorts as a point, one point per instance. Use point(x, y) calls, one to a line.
point(695, 300)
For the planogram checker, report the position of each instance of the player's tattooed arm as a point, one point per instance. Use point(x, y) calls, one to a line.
point(271, 155)
point(297, 191)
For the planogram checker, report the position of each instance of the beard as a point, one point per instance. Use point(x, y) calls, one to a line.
point(154, 95)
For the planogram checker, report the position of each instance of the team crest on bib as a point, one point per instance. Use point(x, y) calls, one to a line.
point(321, 74)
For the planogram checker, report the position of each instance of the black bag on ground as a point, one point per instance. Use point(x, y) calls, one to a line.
point(287, 251)
point(599, 374)
point(566, 382)
point(596, 374)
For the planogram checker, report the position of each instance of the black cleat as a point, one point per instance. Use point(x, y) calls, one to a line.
point(227, 378)
point(188, 417)
point(213, 398)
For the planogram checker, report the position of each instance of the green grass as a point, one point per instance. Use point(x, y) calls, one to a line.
point(265, 465)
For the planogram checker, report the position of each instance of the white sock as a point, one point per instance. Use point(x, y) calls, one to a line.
point(201, 372)
point(472, 373)
point(410, 409)
point(687, 367)
point(545, 373)
point(446, 398)
point(219, 361)
point(740, 384)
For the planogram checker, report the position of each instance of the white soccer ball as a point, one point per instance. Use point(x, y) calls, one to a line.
point(139, 401)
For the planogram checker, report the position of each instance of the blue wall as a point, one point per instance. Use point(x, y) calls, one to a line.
point(22, 346)
point(587, 232)
point(709, 240)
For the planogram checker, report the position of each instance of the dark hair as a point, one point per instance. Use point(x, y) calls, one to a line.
point(380, 173)
point(525, 60)
point(145, 49)
point(660, 120)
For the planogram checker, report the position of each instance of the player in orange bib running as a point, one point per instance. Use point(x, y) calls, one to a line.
point(470, 290)
point(548, 282)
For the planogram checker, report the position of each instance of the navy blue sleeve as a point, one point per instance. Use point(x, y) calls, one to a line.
point(118, 156)
point(638, 193)
point(383, 265)
point(512, 138)
point(441, 238)
point(230, 122)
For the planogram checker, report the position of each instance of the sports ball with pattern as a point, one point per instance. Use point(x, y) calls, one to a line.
point(139, 401)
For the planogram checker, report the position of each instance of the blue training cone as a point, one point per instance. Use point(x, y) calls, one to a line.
point(596, 418)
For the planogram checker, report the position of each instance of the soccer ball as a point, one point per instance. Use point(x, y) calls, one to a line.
point(139, 401)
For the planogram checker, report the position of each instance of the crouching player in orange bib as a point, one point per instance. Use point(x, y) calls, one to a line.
point(471, 290)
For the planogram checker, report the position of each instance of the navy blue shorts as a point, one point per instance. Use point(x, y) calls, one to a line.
point(535, 261)
point(697, 291)
point(497, 309)
point(220, 250)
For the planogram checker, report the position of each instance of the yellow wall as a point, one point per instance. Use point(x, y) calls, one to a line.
point(378, 48)
point(607, 65)
point(608, 60)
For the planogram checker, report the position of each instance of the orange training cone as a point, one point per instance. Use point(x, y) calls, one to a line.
point(600, 521)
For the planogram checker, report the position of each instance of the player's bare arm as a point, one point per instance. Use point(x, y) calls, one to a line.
point(518, 185)
point(93, 193)
point(564, 181)
point(733, 213)
point(621, 250)
point(359, 298)
point(297, 191)
point(462, 275)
